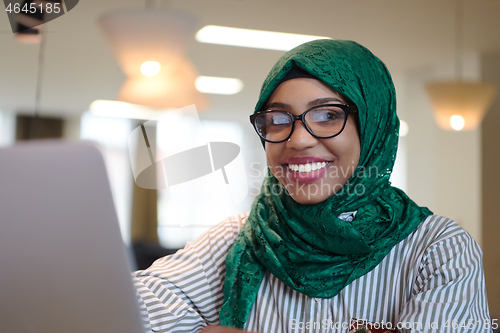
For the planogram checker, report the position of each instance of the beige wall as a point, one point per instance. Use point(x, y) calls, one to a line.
point(456, 174)
point(443, 166)
point(491, 187)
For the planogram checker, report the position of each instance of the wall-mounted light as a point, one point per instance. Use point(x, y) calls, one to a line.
point(403, 128)
point(459, 105)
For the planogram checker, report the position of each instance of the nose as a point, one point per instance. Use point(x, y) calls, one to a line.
point(301, 138)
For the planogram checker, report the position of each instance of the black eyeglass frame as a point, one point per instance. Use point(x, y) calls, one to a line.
point(345, 107)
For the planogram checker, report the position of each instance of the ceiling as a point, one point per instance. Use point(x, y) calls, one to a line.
point(79, 67)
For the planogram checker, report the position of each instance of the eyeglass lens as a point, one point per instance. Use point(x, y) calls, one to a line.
point(323, 122)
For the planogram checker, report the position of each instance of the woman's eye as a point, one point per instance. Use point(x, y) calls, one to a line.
point(280, 119)
point(326, 115)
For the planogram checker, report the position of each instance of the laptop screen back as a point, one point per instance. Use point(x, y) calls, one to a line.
point(62, 261)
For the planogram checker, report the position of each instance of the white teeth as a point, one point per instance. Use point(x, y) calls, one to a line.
point(308, 167)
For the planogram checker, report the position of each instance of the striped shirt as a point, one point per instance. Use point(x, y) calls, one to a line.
point(432, 281)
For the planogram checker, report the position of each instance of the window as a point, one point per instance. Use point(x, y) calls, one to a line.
point(187, 210)
point(111, 136)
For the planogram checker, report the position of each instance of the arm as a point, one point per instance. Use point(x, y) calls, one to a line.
point(184, 292)
point(220, 329)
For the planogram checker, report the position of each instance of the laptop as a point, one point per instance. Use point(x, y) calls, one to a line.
point(63, 264)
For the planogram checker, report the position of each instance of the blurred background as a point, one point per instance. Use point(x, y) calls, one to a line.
point(453, 172)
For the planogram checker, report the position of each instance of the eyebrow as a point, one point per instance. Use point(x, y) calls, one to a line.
point(278, 105)
point(325, 100)
point(318, 101)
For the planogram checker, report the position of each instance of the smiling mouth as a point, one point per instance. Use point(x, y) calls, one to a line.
point(308, 167)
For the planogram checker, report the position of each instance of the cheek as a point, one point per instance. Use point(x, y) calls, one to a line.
point(353, 144)
point(354, 147)
point(352, 154)
point(347, 151)
point(273, 154)
point(356, 150)
point(274, 151)
point(268, 150)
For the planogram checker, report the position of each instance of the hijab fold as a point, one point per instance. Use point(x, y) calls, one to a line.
point(308, 247)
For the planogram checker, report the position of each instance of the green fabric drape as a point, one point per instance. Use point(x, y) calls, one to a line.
point(308, 247)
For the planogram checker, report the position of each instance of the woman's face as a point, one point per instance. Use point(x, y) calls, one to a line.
point(336, 158)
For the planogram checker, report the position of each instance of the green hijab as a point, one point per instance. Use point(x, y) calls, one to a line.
point(308, 247)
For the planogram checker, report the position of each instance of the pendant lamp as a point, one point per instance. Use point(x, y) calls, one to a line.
point(27, 25)
point(458, 104)
point(150, 46)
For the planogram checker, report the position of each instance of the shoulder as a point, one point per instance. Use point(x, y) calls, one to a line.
point(211, 246)
point(436, 229)
point(183, 292)
point(446, 250)
point(447, 280)
point(438, 247)
point(223, 232)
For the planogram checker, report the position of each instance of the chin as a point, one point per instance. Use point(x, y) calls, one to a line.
point(307, 201)
point(313, 193)
point(308, 196)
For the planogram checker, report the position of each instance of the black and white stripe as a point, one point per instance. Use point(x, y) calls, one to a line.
point(434, 276)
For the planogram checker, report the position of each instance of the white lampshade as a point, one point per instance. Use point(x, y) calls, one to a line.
point(154, 35)
point(172, 87)
point(468, 100)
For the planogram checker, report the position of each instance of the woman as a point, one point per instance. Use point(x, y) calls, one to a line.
point(329, 245)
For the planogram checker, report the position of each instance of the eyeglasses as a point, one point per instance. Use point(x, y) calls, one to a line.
point(321, 121)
